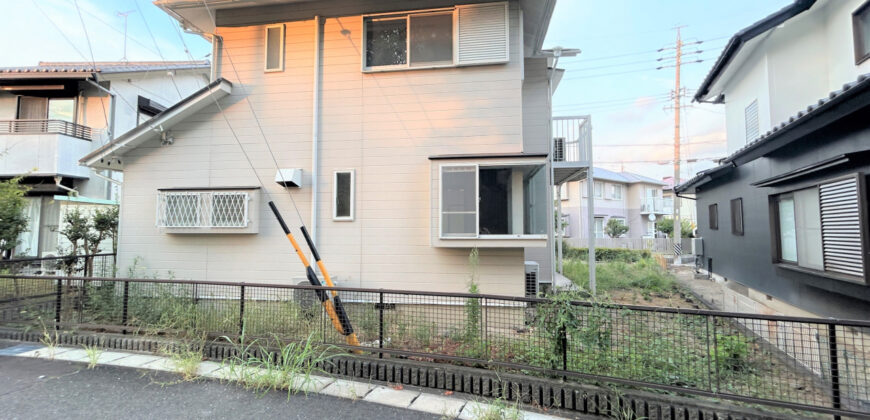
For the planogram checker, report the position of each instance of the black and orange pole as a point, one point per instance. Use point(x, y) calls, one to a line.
point(333, 307)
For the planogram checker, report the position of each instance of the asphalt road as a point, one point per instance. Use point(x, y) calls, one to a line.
point(34, 388)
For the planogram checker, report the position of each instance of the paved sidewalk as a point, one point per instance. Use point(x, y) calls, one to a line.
point(34, 383)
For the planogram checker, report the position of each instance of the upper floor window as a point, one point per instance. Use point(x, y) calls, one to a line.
point(616, 192)
point(274, 48)
point(751, 121)
point(35, 108)
point(861, 32)
point(599, 189)
point(464, 35)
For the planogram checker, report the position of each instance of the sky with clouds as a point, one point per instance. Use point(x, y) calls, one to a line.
point(615, 78)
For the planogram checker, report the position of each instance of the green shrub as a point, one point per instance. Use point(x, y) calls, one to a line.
point(731, 352)
point(605, 254)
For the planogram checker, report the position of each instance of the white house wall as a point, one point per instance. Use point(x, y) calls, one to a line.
point(382, 125)
point(796, 63)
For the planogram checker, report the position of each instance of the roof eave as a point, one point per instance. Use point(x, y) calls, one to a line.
point(740, 38)
point(108, 155)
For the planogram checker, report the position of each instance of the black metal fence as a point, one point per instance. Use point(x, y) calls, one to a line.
point(821, 365)
point(95, 265)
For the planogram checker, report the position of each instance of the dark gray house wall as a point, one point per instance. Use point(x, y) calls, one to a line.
point(748, 259)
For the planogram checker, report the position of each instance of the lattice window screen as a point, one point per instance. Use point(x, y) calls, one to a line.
point(202, 209)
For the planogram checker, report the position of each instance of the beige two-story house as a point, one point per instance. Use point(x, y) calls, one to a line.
point(401, 134)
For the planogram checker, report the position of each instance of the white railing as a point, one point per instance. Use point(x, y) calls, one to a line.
point(570, 137)
point(657, 205)
point(202, 209)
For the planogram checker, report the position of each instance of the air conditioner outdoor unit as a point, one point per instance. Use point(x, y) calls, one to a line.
point(533, 270)
point(698, 246)
point(559, 149)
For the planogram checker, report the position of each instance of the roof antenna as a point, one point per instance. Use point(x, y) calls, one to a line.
point(124, 15)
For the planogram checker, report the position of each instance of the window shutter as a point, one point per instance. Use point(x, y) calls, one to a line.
point(751, 120)
point(482, 34)
point(841, 232)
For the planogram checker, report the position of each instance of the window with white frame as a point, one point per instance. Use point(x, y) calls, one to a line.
point(599, 189)
point(343, 195)
point(480, 201)
point(462, 35)
point(274, 48)
point(599, 227)
point(616, 192)
point(202, 209)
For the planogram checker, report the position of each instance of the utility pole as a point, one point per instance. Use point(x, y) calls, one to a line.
point(677, 107)
point(677, 226)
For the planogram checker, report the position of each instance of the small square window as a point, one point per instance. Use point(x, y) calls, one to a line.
point(861, 32)
point(737, 216)
point(713, 211)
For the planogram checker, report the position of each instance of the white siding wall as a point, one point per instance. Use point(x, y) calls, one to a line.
point(799, 62)
point(383, 125)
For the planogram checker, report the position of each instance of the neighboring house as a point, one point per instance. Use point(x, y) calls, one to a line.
point(53, 114)
point(407, 134)
point(688, 210)
point(634, 200)
point(784, 217)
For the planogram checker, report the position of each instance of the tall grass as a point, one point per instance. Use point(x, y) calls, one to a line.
point(645, 275)
point(261, 366)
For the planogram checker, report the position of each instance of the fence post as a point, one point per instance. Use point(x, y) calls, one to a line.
point(835, 368)
point(563, 332)
point(125, 302)
point(380, 324)
point(241, 311)
point(57, 304)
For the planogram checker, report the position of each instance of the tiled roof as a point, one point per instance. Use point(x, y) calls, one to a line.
point(623, 177)
point(107, 67)
point(863, 81)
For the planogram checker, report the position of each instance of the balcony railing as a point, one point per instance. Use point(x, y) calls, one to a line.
point(46, 127)
point(570, 137)
point(657, 205)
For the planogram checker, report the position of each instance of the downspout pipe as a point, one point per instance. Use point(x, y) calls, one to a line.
point(315, 128)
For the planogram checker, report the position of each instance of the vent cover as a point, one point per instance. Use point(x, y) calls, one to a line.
point(483, 34)
point(559, 149)
point(841, 231)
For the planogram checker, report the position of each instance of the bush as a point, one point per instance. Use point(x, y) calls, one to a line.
point(605, 254)
point(731, 352)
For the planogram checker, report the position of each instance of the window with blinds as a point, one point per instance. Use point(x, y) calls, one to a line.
point(820, 227)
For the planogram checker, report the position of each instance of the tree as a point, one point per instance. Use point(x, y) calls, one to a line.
point(13, 221)
point(615, 228)
point(667, 227)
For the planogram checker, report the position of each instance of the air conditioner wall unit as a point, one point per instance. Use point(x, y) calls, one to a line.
point(698, 246)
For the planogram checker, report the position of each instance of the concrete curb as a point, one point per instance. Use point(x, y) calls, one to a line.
point(448, 407)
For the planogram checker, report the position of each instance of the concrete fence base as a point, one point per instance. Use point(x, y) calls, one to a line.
point(535, 391)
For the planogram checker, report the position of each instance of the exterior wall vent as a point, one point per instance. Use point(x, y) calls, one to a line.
point(533, 270)
point(289, 177)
